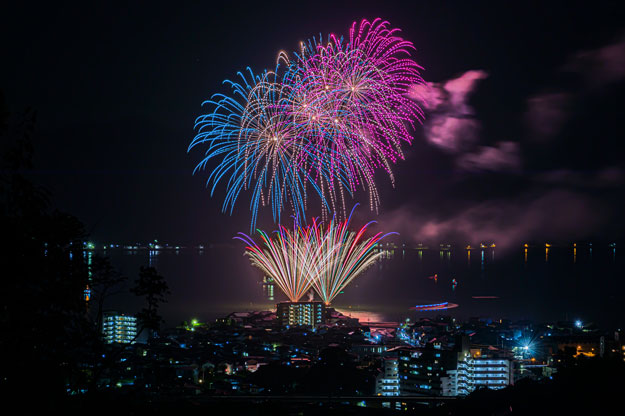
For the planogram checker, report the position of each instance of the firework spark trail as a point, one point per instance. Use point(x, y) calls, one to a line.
point(345, 254)
point(326, 258)
point(362, 87)
point(327, 119)
point(258, 146)
point(289, 258)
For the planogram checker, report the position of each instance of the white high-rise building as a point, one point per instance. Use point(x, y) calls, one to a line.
point(119, 328)
point(494, 373)
point(475, 371)
point(387, 383)
point(449, 384)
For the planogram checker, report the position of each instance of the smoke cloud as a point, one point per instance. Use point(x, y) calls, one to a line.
point(557, 214)
point(450, 124)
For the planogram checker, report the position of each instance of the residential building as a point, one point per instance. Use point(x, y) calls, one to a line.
point(119, 328)
point(387, 382)
point(301, 313)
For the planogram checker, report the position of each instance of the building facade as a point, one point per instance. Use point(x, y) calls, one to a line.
point(301, 313)
point(449, 384)
point(476, 370)
point(421, 370)
point(387, 382)
point(119, 328)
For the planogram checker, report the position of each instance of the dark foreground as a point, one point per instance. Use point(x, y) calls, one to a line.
point(588, 387)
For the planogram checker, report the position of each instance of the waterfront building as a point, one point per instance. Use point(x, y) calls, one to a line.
point(301, 313)
point(119, 328)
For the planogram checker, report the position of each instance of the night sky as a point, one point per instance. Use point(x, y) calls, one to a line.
point(522, 139)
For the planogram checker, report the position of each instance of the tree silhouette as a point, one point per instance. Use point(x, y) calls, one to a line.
point(154, 288)
point(42, 313)
point(51, 343)
point(105, 282)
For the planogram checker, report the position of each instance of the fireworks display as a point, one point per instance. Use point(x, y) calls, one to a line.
point(325, 120)
point(344, 255)
point(326, 258)
point(257, 145)
point(288, 258)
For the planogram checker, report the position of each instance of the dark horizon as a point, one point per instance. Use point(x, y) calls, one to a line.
point(583, 285)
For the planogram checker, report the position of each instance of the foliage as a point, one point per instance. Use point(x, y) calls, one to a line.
point(51, 343)
point(154, 288)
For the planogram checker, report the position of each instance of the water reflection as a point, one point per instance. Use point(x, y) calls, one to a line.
point(268, 288)
point(362, 316)
point(525, 255)
point(153, 258)
point(482, 260)
point(222, 281)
